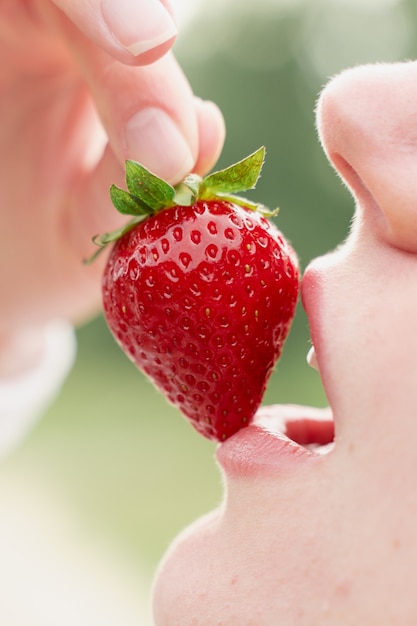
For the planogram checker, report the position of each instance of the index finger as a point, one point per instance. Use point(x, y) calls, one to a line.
point(135, 32)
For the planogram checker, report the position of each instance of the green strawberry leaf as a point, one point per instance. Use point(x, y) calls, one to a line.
point(126, 203)
point(151, 190)
point(238, 177)
point(253, 206)
point(102, 241)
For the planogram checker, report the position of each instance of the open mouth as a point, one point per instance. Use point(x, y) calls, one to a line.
point(309, 427)
point(280, 438)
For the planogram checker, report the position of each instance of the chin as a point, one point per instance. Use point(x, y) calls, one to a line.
point(180, 597)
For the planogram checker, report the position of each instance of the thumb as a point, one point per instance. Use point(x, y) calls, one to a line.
point(135, 32)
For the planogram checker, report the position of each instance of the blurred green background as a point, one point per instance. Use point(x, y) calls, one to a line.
point(110, 450)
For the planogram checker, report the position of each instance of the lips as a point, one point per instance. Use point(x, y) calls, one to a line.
point(280, 439)
point(283, 437)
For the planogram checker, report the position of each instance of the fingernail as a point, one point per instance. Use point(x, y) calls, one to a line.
point(138, 25)
point(155, 141)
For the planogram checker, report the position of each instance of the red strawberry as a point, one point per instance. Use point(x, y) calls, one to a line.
point(200, 290)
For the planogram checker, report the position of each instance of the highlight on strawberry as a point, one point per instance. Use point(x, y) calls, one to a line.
point(199, 290)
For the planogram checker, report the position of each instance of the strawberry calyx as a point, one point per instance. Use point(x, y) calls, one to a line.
point(148, 194)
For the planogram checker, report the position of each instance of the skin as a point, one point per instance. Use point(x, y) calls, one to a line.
point(331, 538)
point(74, 75)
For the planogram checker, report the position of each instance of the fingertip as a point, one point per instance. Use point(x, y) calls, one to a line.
point(145, 29)
point(133, 32)
point(155, 139)
point(152, 55)
point(212, 133)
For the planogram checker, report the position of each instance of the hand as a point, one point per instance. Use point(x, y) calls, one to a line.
point(84, 86)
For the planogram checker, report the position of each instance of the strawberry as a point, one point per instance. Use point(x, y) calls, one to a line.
point(200, 290)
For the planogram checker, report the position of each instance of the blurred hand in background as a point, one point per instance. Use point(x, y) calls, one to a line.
point(84, 86)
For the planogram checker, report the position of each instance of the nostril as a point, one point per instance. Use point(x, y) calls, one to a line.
point(363, 192)
point(384, 189)
point(351, 178)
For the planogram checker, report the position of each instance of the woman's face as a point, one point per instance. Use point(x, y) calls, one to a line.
point(327, 535)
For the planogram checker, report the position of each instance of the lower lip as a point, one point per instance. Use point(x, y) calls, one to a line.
point(256, 451)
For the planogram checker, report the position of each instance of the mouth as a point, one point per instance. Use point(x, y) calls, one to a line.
point(310, 428)
point(283, 436)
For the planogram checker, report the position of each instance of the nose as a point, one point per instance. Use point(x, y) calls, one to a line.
point(367, 123)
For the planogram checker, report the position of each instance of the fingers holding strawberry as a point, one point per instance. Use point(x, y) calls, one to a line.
point(60, 86)
point(200, 290)
point(149, 114)
point(148, 109)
